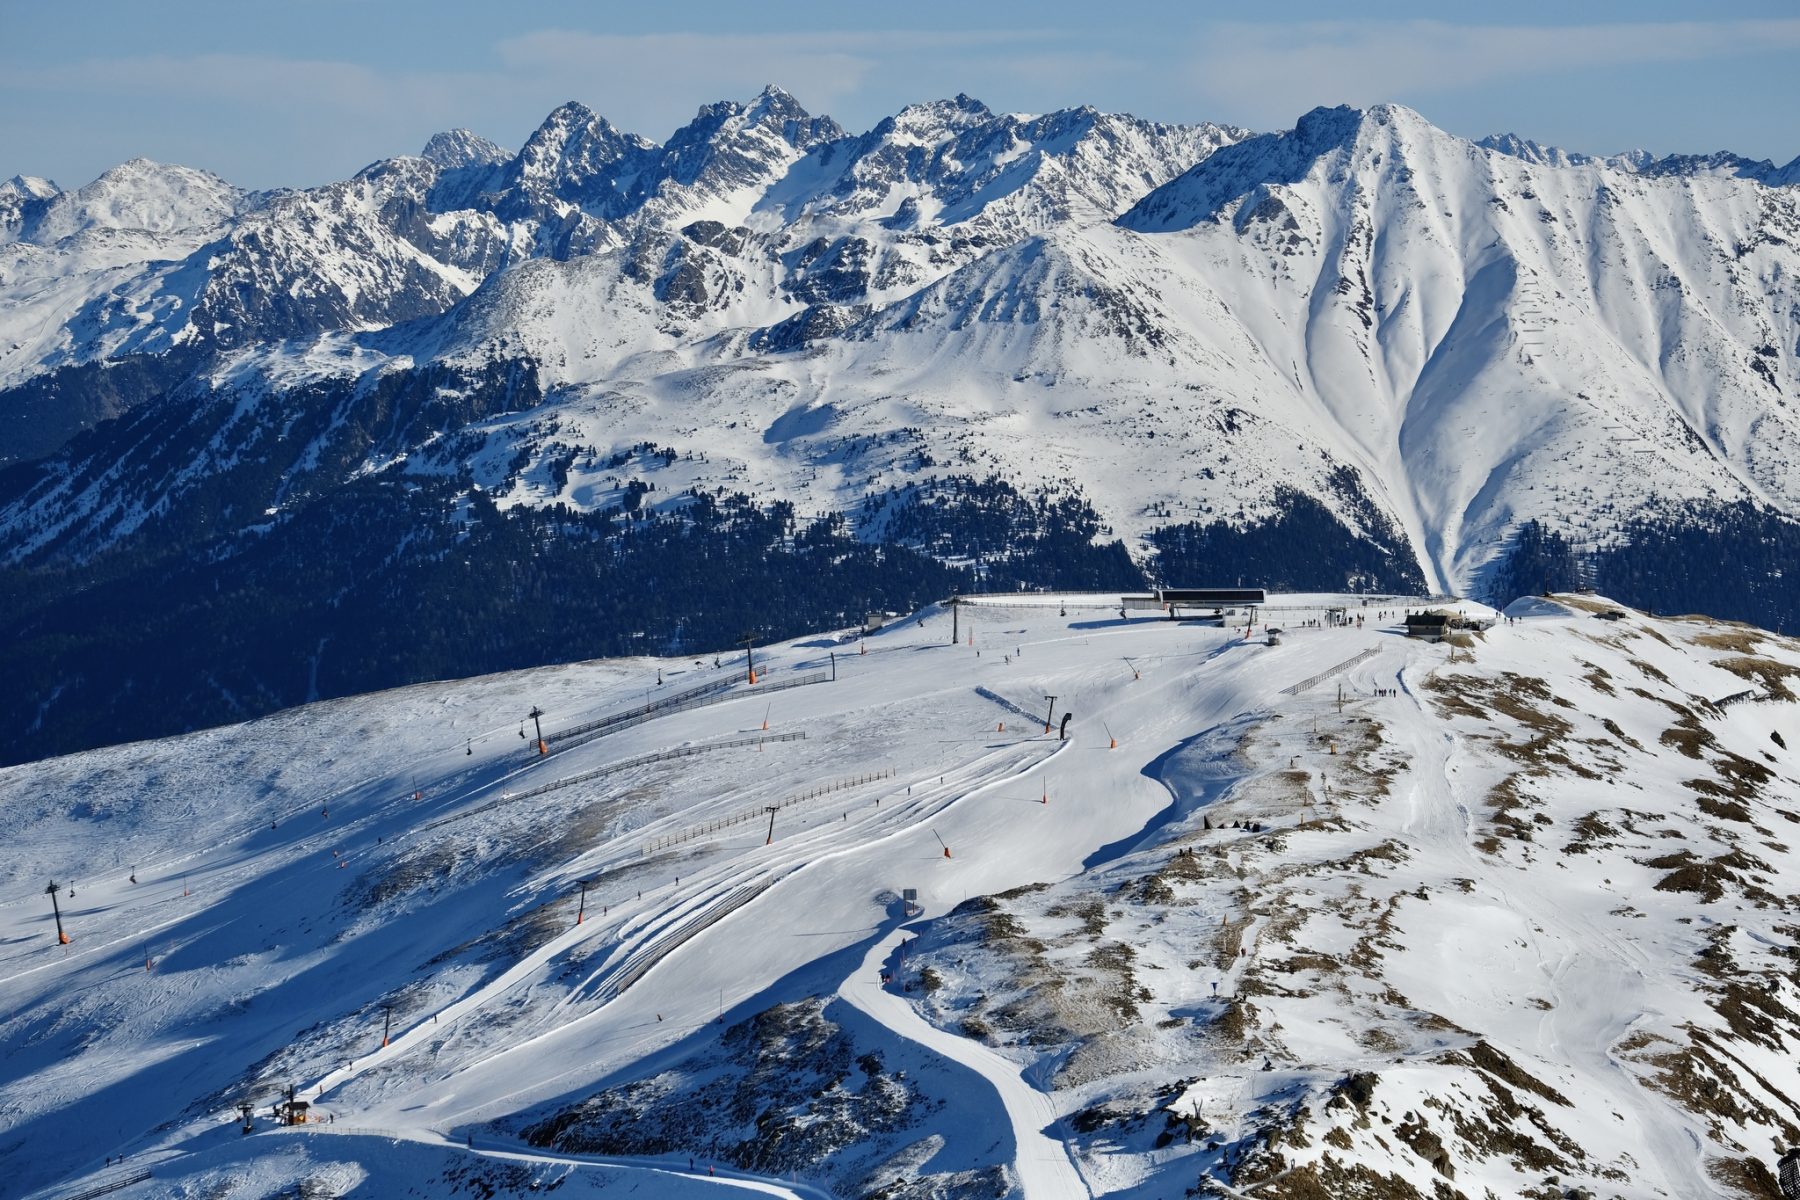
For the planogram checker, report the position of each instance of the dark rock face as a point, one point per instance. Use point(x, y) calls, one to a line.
point(786, 1091)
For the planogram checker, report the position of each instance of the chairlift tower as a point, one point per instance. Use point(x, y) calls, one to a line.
point(62, 938)
point(581, 908)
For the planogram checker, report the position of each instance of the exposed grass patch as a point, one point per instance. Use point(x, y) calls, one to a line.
point(1729, 635)
point(1687, 736)
point(1585, 603)
point(1611, 726)
point(1597, 678)
point(1773, 675)
point(1709, 879)
point(1591, 832)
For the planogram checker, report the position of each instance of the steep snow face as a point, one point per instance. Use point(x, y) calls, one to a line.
point(1501, 338)
point(468, 165)
point(1422, 925)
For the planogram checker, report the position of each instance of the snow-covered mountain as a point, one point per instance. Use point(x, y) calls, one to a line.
point(1464, 336)
point(1359, 353)
point(1723, 162)
point(1351, 915)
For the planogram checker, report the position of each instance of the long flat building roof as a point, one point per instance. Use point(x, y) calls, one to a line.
point(1205, 596)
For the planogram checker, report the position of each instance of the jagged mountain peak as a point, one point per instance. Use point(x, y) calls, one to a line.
point(1325, 129)
point(951, 162)
point(1323, 140)
point(23, 199)
point(772, 110)
point(1720, 163)
point(1528, 150)
point(933, 120)
point(456, 148)
point(777, 104)
point(572, 164)
point(573, 131)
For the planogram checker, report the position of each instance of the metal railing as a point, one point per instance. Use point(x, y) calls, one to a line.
point(716, 692)
point(679, 701)
point(1008, 705)
point(777, 685)
point(101, 1189)
point(757, 814)
point(1297, 688)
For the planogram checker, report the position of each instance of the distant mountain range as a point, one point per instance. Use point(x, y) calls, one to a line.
point(1076, 347)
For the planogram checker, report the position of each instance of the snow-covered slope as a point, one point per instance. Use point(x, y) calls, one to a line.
point(1496, 339)
point(1340, 916)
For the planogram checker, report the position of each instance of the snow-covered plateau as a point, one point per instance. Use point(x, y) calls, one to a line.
point(1351, 915)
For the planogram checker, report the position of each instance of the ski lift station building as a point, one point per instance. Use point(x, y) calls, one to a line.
point(1214, 599)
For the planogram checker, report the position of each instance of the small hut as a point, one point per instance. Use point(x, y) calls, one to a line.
point(1431, 626)
point(291, 1111)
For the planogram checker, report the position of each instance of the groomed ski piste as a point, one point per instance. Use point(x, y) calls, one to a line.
point(250, 908)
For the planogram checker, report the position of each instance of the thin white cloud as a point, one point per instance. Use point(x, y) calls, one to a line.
point(257, 79)
point(1272, 72)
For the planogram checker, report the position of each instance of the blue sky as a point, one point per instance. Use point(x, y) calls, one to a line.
point(305, 91)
